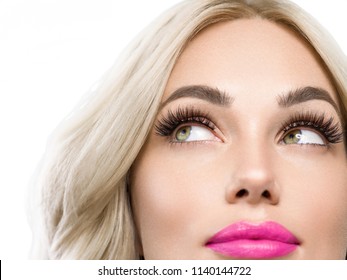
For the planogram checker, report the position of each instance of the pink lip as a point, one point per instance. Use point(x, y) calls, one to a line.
point(253, 241)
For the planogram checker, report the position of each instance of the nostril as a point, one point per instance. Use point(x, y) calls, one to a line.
point(266, 194)
point(242, 193)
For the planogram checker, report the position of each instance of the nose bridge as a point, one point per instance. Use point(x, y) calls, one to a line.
point(254, 164)
point(253, 178)
point(254, 145)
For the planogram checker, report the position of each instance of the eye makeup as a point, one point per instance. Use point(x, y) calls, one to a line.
point(329, 129)
point(187, 115)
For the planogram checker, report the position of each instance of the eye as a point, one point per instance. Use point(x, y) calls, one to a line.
point(193, 133)
point(303, 137)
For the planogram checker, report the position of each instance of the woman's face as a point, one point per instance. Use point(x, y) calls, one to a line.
point(246, 159)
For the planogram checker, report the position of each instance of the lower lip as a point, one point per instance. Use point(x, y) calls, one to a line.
point(253, 249)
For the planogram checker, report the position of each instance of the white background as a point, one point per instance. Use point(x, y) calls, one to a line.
point(51, 53)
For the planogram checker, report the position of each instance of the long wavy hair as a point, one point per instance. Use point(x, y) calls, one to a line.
point(82, 184)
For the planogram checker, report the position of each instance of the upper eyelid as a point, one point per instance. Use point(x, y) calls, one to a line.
point(330, 129)
point(210, 124)
point(172, 119)
point(319, 119)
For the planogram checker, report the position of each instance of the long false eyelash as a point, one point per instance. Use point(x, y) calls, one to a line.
point(168, 124)
point(331, 131)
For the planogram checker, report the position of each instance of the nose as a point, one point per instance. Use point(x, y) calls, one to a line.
point(253, 180)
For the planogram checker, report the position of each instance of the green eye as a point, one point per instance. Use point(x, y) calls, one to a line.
point(303, 137)
point(293, 137)
point(193, 133)
point(183, 133)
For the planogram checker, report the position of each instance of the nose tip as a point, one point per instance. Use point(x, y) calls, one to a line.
point(254, 176)
point(256, 186)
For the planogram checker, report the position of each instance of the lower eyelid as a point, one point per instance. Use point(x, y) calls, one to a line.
point(202, 143)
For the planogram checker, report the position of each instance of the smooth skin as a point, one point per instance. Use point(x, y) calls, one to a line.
point(183, 193)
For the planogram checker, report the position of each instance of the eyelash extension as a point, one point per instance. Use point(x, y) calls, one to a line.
point(167, 125)
point(332, 132)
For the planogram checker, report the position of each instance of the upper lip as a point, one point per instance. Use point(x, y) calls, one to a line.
point(262, 231)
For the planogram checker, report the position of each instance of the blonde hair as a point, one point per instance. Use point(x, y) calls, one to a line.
point(83, 186)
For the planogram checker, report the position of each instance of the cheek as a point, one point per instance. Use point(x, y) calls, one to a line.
point(169, 197)
point(315, 195)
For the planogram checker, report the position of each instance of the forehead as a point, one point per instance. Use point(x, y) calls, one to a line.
point(247, 55)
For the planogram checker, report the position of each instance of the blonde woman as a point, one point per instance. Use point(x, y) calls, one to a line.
point(220, 134)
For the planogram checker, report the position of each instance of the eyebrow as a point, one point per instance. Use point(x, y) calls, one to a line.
point(305, 94)
point(206, 93)
point(220, 98)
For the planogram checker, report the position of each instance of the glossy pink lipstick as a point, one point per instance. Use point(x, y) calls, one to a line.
point(253, 241)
